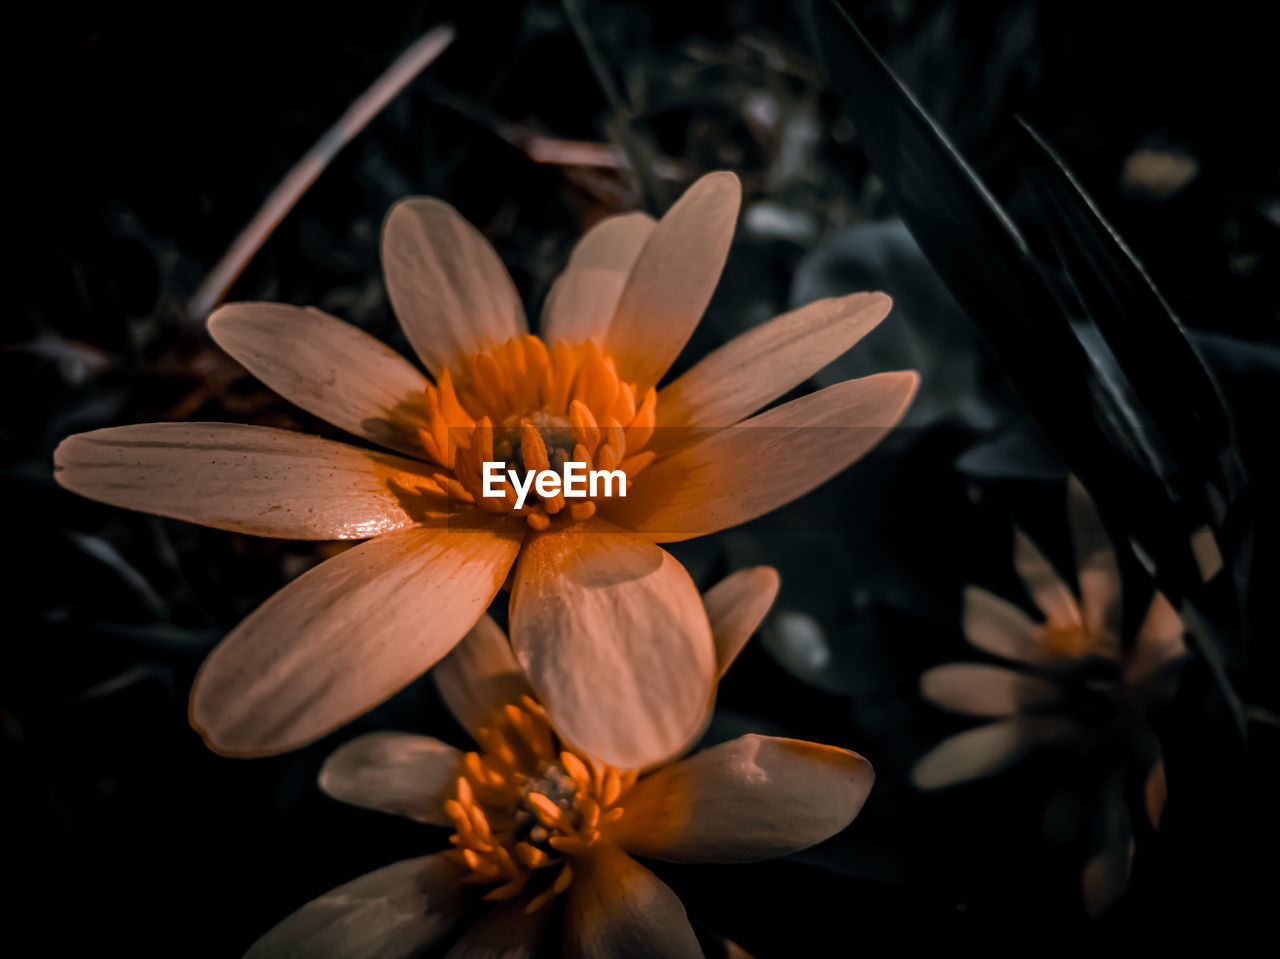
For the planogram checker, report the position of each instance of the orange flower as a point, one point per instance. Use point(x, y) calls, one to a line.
point(534, 820)
point(1079, 686)
point(605, 622)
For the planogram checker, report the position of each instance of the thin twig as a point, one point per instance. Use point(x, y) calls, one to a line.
point(305, 172)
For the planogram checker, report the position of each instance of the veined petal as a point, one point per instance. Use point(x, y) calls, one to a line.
point(504, 932)
point(346, 635)
point(582, 301)
point(618, 909)
point(996, 626)
point(447, 286)
point(752, 798)
point(672, 280)
point(977, 689)
point(391, 772)
point(329, 368)
point(1097, 571)
point(762, 463)
point(614, 638)
point(249, 479)
point(736, 606)
point(986, 750)
point(1161, 640)
point(757, 367)
point(480, 676)
point(1050, 594)
point(392, 913)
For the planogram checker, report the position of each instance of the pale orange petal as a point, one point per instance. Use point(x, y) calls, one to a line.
point(996, 626)
point(392, 913)
point(504, 932)
point(1096, 570)
point(1050, 594)
point(673, 278)
point(584, 297)
point(480, 676)
point(752, 798)
point(762, 463)
point(613, 636)
point(757, 367)
point(736, 606)
point(977, 689)
point(398, 773)
point(447, 286)
point(329, 368)
point(986, 750)
point(1161, 640)
point(248, 479)
point(347, 635)
point(618, 909)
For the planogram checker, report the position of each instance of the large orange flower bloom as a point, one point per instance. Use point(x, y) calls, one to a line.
point(600, 615)
point(534, 821)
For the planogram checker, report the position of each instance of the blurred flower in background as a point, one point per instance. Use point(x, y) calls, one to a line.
point(1073, 682)
point(348, 635)
point(534, 819)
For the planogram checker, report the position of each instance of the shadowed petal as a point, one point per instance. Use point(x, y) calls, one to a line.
point(329, 368)
point(504, 932)
point(757, 367)
point(248, 479)
point(736, 606)
point(392, 913)
point(398, 773)
point(584, 297)
point(981, 690)
point(747, 470)
point(614, 638)
point(347, 635)
point(1097, 571)
point(1160, 641)
point(672, 280)
point(986, 750)
point(480, 676)
point(618, 909)
point(447, 286)
point(1050, 594)
point(996, 626)
point(752, 798)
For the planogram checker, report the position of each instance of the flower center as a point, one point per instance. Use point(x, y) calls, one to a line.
point(535, 410)
point(523, 804)
point(1068, 641)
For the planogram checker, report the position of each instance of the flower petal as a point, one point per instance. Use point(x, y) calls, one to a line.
point(996, 626)
point(614, 638)
point(248, 479)
point(504, 932)
point(672, 280)
point(1097, 571)
point(399, 773)
point(392, 913)
point(981, 690)
point(618, 909)
point(1161, 640)
point(760, 365)
point(986, 750)
point(330, 368)
point(736, 606)
point(447, 286)
point(480, 676)
point(747, 470)
point(752, 798)
point(347, 635)
point(1050, 594)
point(584, 297)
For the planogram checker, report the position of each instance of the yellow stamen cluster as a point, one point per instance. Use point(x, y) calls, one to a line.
point(535, 408)
point(523, 804)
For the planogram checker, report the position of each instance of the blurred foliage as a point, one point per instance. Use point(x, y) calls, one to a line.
point(145, 141)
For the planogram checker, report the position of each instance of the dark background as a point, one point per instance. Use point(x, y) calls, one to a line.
point(145, 139)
